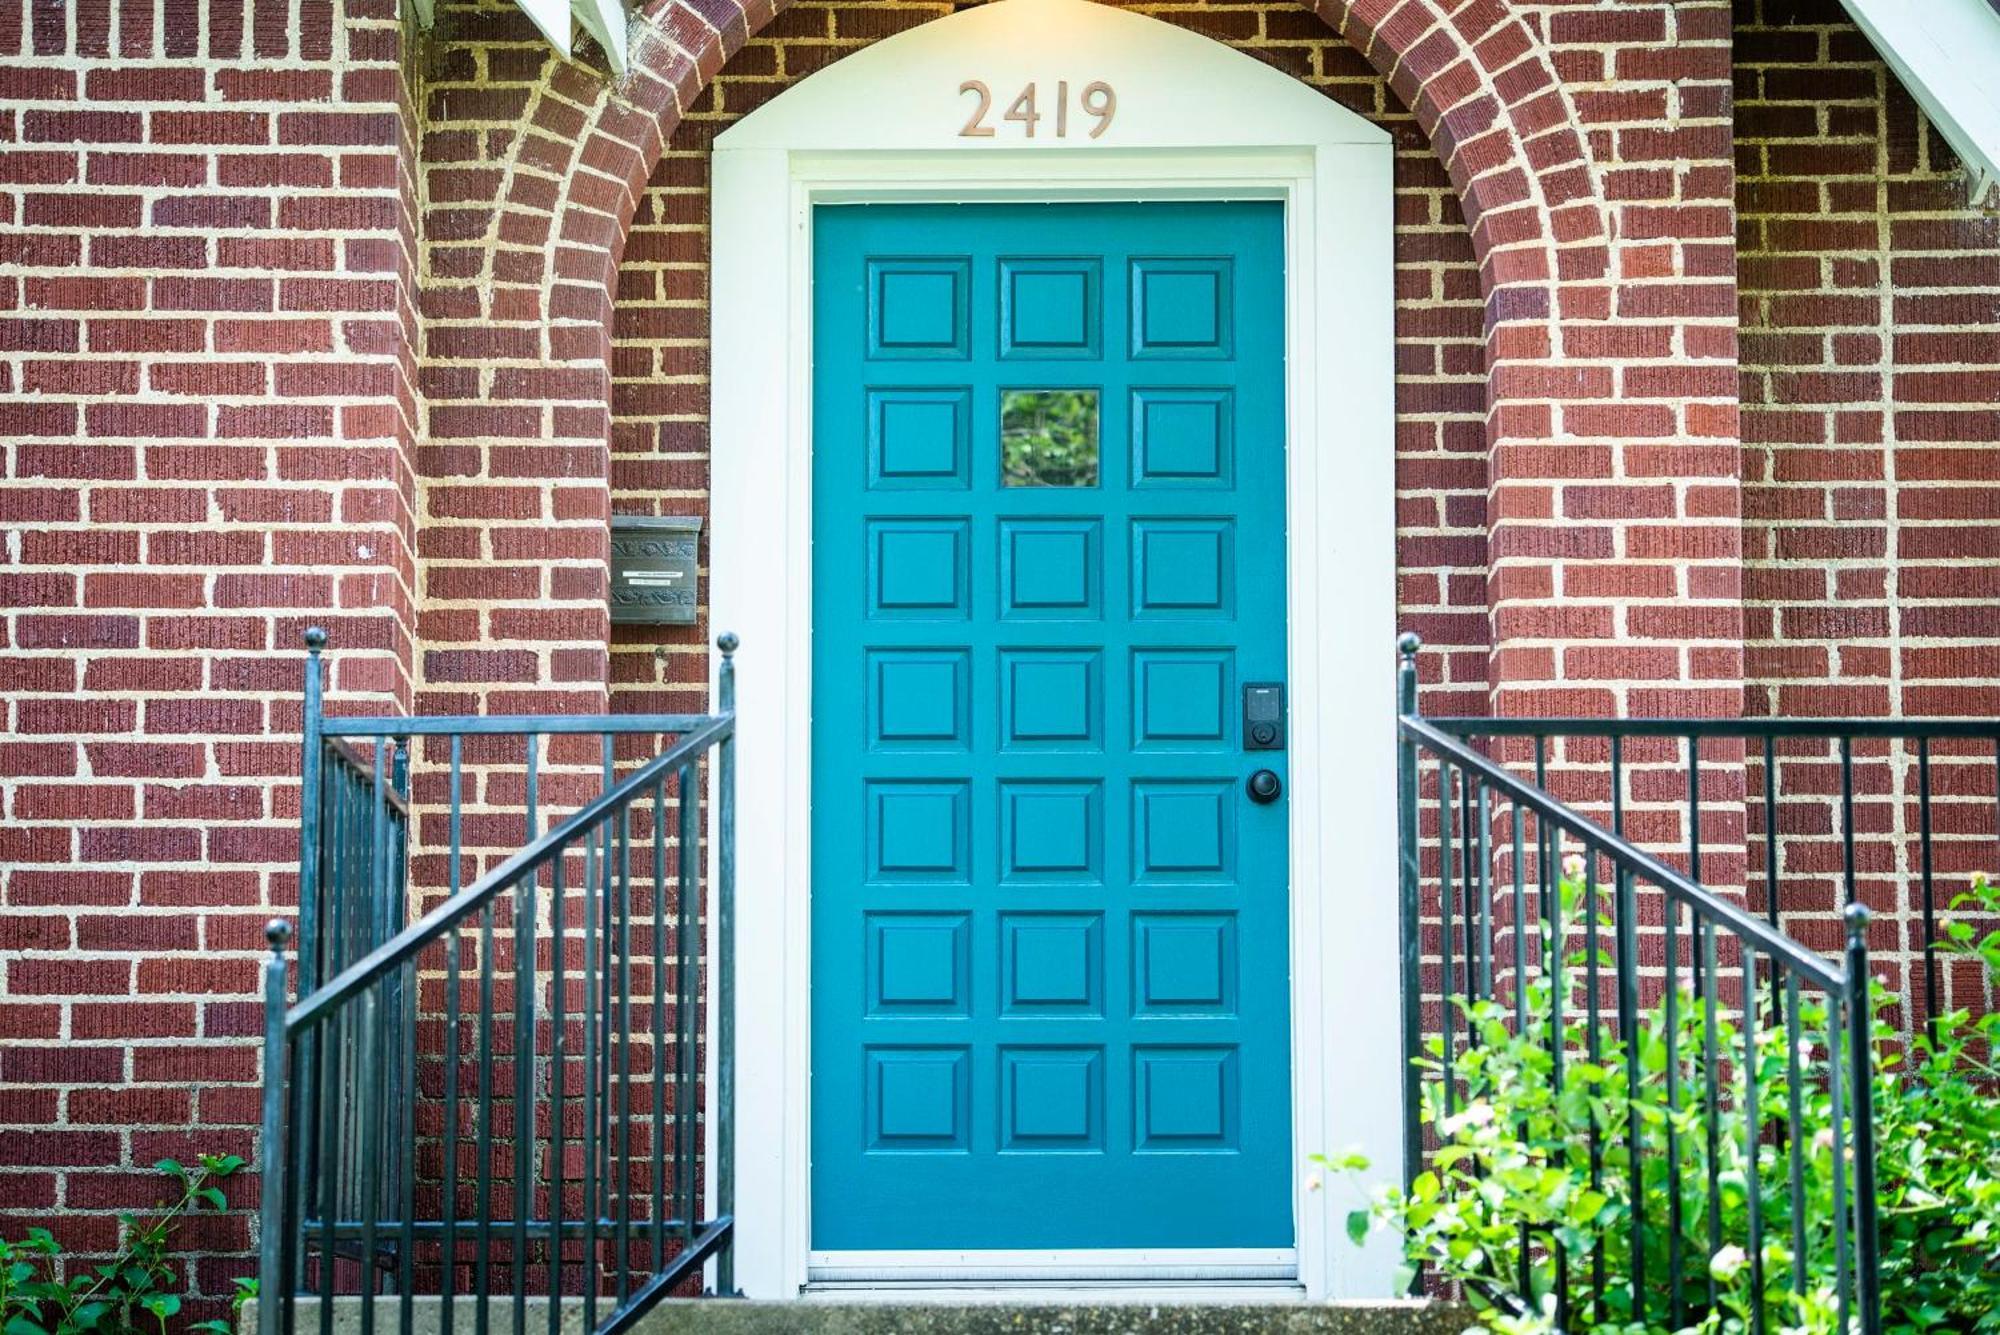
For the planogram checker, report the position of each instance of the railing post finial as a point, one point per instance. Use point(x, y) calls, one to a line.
point(1857, 916)
point(278, 932)
point(315, 638)
point(725, 677)
point(1407, 645)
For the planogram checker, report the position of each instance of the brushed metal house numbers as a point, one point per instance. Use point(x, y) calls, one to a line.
point(1099, 101)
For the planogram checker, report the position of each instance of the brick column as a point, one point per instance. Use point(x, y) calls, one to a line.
point(209, 235)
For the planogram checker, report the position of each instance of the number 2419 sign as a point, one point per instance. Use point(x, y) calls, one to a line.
point(1099, 102)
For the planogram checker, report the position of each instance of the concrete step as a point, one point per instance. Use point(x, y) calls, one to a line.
point(860, 1315)
point(856, 1316)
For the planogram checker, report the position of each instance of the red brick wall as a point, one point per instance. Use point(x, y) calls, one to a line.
point(1871, 427)
point(207, 247)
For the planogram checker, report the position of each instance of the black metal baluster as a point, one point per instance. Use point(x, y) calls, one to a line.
point(1711, 1090)
point(1447, 881)
point(1520, 928)
point(687, 1000)
point(454, 1018)
point(370, 1150)
point(375, 1109)
point(524, 1090)
point(1868, 1259)
point(1485, 856)
point(1847, 819)
point(1773, 860)
point(592, 1181)
point(1619, 784)
point(1795, 1144)
point(406, 1243)
point(1753, 1123)
point(1594, 1047)
point(1695, 962)
point(658, 1205)
point(558, 1080)
point(1676, 1209)
point(624, 880)
point(608, 987)
point(1468, 910)
point(1409, 910)
point(1627, 929)
point(482, 1256)
point(1930, 901)
point(1837, 1114)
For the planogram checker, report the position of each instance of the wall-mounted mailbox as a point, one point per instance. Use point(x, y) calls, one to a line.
point(653, 569)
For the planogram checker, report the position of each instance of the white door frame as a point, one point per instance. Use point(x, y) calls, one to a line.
point(1195, 120)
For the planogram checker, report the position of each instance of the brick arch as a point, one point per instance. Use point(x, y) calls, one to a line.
point(1481, 85)
point(1479, 82)
point(1482, 81)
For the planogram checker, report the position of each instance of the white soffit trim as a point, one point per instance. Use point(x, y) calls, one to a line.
point(603, 19)
point(1947, 53)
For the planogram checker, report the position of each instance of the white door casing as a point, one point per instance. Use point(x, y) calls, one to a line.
point(1194, 120)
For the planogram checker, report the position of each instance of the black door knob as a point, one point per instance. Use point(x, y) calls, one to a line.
point(1264, 787)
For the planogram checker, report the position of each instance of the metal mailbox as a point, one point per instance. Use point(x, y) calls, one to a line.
point(653, 569)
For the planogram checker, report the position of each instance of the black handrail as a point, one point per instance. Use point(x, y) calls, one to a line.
point(1933, 744)
point(535, 858)
point(404, 1048)
point(1515, 967)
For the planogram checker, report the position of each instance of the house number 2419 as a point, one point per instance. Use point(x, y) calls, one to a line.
point(1099, 102)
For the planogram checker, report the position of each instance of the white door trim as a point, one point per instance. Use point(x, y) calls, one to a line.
point(1195, 121)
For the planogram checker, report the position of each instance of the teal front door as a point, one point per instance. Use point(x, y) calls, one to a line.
point(1050, 965)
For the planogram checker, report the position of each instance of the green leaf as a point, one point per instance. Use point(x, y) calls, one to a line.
point(1357, 1226)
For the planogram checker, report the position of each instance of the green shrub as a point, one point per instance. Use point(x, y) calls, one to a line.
point(1513, 1159)
point(132, 1292)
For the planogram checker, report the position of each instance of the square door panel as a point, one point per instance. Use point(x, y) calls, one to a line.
point(919, 308)
point(919, 831)
point(919, 963)
point(1184, 964)
point(1182, 308)
point(1184, 830)
point(1183, 437)
point(918, 568)
point(1181, 699)
point(1051, 831)
point(1049, 308)
point(919, 699)
point(1051, 569)
point(1051, 1099)
point(919, 1099)
point(1183, 568)
point(1051, 964)
point(919, 439)
point(1184, 1099)
point(1051, 699)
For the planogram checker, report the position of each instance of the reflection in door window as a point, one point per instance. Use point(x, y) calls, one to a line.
point(1048, 438)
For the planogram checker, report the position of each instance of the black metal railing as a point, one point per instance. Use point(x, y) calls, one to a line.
point(501, 1103)
point(1887, 812)
point(356, 901)
point(1630, 974)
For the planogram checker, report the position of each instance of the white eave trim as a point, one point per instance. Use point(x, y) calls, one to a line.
point(605, 20)
point(1947, 53)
